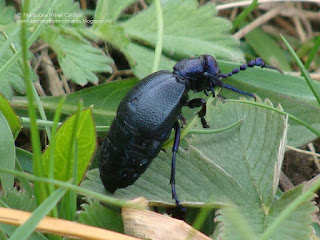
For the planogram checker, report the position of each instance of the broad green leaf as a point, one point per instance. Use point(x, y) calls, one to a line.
point(110, 9)
point(7, 153)
point(185, 33)
point(95, 214)
point(79, 60)
point(145, 56)
point(296, 227)
point(10, 115)
point(112, 33)
point(184, 36)
point(86, 139)
point(63, 12)
point(22, 201)
point(6, 13)
point(268, 49)
point(12, 77)
point(240, 165)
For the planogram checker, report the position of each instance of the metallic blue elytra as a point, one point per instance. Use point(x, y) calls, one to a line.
point(148, 113)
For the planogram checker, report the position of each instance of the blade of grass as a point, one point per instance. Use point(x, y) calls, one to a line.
point(312, 53)
point(25, 230)
point(244, 14)
point(40, 190)
point(303, 70)
point(158, 49)
point(69, 186)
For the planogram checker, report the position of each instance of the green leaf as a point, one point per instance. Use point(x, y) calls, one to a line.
point(268, 49)
point(19, 200)
point(86, 138)
point(10, 62)
point(95, 214)
point(185, 33)
point(145, 56)
point(297, 226)
point(78, 59)
point(10, 115)
point(110, 9)
point(7, 153)
point(240, 165)
point(13, 77)
point(6, 13)
point(112, 33)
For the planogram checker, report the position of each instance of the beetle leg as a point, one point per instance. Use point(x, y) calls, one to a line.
point(200, 102)
point(173, 166)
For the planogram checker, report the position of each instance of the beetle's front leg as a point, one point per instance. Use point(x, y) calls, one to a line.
point(198, 102)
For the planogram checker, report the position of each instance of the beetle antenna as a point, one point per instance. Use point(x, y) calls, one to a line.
point(238, 91)
point(252, 63)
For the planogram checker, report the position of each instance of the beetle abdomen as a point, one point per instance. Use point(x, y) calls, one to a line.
point(125, 155)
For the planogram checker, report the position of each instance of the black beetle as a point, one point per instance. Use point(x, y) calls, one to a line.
point(148, 113)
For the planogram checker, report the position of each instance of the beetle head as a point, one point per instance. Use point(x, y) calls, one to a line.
point(203, 74)
point(199, 74)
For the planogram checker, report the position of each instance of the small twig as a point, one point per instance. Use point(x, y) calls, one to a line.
point(303, 151)
point(246, 3)
point(39, 89)
point(65, 83)
point(299, 29)
point(314, 76)
point(143, 4)
point(285, 24)
point(285, 182)
point(119, 73)
point(61, 227)
point(40, 48)
point(234, 13)
point(258, 22)
point(54, 81)
point(315, 158)
point(35, 69)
